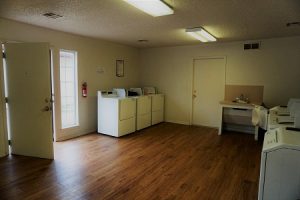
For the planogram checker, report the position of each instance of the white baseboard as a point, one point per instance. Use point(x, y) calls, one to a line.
point(178, 122)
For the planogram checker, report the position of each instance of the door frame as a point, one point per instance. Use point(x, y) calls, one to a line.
point(193, 75)
point(4, 150)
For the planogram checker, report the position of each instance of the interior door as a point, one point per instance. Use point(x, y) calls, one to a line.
point(29, 93)
point(208, 91)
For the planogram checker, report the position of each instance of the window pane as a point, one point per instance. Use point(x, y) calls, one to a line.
point(68, 88)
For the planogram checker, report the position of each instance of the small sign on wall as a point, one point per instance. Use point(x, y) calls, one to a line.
point(120, 68)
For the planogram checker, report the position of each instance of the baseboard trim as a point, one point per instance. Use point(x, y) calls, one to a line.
point(178, 122)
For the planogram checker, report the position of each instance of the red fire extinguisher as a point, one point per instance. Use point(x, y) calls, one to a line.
point(84, 89)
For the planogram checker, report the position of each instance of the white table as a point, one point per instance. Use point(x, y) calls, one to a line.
point(229, 104)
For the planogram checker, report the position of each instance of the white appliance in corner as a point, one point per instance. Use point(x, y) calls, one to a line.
point(116, 114)
point(280, 165)
point(143, 109)
point(157, 108)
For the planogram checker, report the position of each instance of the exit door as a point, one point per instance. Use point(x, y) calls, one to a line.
point(28, 84)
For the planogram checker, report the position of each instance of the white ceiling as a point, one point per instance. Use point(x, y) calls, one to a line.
point(115, 20)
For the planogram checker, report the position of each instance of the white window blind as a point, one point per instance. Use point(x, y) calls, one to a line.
point(68, 88)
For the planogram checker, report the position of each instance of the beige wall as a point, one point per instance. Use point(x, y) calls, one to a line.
point(92, 53)
point(276, 66)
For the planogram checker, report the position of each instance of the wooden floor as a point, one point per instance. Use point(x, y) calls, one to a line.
point(166, 161)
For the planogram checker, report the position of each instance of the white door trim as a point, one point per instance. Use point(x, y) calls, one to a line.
point(3, 123)
point(192, 80)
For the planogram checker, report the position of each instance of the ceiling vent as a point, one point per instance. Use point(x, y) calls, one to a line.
point(52, 15)
point(249, 46)
point(143, 41)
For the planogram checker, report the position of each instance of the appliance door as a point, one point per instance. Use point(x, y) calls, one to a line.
point(282, 175)
point(157, 117)
point(127, 108)
point(143, 105)
point(157, 102)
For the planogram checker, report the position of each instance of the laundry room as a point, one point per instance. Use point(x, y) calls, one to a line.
point(110, 100)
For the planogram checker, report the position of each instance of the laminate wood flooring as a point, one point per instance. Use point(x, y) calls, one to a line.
point(166, 161)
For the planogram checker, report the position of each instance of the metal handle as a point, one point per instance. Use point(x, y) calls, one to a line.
point(194, 96)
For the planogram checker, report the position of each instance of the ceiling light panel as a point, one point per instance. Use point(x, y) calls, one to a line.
point(152, 7)
point(200, 34)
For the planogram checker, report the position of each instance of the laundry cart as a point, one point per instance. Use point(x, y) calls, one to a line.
point(280, 165)
point(116, 114)
point(157, 108)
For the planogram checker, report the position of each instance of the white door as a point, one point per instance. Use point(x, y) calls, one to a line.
point(29, 92)
point(208, 91)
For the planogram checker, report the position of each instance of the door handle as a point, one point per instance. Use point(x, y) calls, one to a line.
point(45, 109)
point(194, 96)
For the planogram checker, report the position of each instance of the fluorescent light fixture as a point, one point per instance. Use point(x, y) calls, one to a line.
point(152, 7)
point(200, 34)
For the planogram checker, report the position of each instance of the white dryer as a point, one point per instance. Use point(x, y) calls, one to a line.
point(280, 165)
point(157, 108)
point(116, 114)
point(143, 109)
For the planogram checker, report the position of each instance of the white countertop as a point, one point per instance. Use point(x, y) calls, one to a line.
point(231, 104)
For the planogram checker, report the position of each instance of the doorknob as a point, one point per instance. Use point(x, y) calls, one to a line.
point(46, 108)
point(194, 96)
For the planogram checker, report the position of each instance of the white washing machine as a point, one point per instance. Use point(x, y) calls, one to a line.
point(288, 116)
point(277, 121)
point(143, 115)
point(143, 109)
point(116, 114)
point(280, 165)
point(157, 108)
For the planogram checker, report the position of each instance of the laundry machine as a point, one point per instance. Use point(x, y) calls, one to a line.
point(157, 108)
point(116, 113)
point(280, 165)
point(285, 116)
point(277, 121)
point(143, 108)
